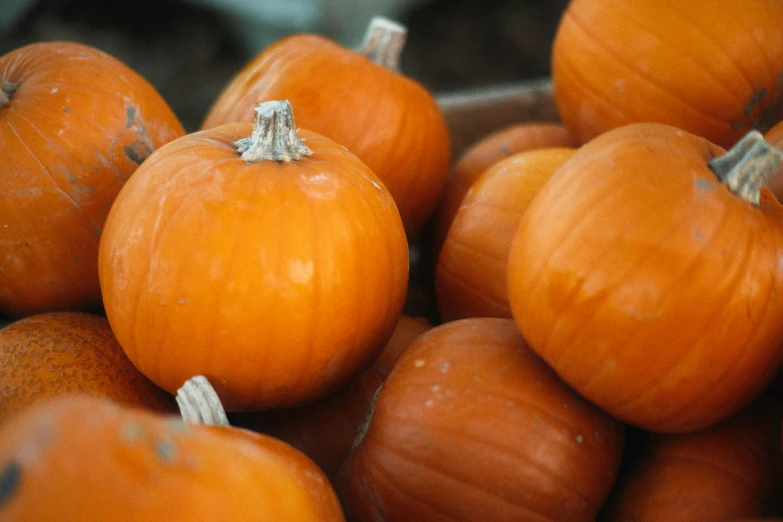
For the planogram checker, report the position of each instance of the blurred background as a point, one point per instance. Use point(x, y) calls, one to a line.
point(189, 49)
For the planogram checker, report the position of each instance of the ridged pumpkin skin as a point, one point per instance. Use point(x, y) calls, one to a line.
point(81, 458)
point(67, 352)
point(471, 425)
point(276, 280)
point(712, 69)
point(470, 278)
point(725, 472)
point(325, 429)
point(77, 126)
point(649, 286)
point(483, 154)
point(389, 121)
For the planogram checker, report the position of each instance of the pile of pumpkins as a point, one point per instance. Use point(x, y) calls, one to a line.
point(213, 325)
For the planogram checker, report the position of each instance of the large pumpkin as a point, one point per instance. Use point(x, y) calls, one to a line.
point(83, 458)
point(646, 272)
point(67, 352)
point(360, 100)
point(75, 123)
point(470, 277)
point(275, 269)
point(711, 68)
point(471, 425)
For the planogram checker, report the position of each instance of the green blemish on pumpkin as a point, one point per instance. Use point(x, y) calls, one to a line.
point(71, 177)
point(130, 116)
point(165, 449)
point(704, 184)
point(10, 478)
point(132, 431)
point(138, 151)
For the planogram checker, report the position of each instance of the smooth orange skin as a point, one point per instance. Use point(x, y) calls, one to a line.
point(712, 70)
point(325, 429)
point(471, 425)
point(725, 472)
point(55, 353)
point(77, 127)
point(81, 458)
point(647, 285)
point(470, 278)
point(483, 154)
point(277, 281)
point(389, 121)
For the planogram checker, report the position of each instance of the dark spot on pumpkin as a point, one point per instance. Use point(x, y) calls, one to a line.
point(138, 151)
point(70, 177)
point(704, 184)
point(737, 125)
point(67, 110)
point(506, 150)
point(130, 116)
point(165, 449)
point(10, 478)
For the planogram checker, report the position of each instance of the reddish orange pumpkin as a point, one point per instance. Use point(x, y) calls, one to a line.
point(470, 279)
point(710, 69)
point(645, 272)
point(276, 270)
point(67, 352)
point(480, 156)
point(83, 458)
point(76, 123)
point(358, 99)
point(325, 430)
point(471, 425)
point(725, 472)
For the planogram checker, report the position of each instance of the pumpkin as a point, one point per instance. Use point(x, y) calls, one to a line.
point(76, 123)
point(67, 352)
point(470, 278)
point(483, 154)
point(80, 458)
point(645, 272)
point(325, 429)
point(277, 266)
point(471, 425)
point(360, 100)
point(725, 472)
point(712, 69)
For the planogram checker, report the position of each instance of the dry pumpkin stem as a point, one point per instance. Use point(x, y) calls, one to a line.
point(199, 403)
point(6, 90)
point(383, 42)
point(747, 165)
point(274, 135)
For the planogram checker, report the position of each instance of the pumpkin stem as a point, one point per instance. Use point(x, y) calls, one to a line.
point(747, 165)
point(383, 42)
point(274, 135)
point(199, 404)
point(6, 90)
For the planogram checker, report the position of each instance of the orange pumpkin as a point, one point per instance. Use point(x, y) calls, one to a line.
point(470, 279)
point(76, 123)
point(275, 269)
point(67, 352)
point(361, 101)
point(725, 472)
point(81, 458)
point(325, 429)
point(480, 156)
point(710, 69)
point(471, 425)
point(645, 274)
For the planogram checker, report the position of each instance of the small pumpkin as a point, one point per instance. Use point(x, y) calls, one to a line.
point(471, 425)
point(470, 278)
point(710, 69)
point(55, 353)
point(81, 458)
point(360, 100)
point(275, 266)
point(725, 472)
point(76, 123)
point(645, 272)
point(325, 429)
point(483, 154)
